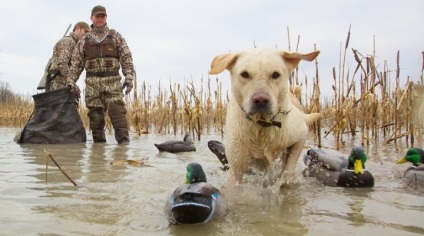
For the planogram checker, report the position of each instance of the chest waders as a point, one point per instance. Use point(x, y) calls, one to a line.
point(103, 88)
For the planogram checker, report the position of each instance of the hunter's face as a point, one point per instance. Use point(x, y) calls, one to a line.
point(99, 20)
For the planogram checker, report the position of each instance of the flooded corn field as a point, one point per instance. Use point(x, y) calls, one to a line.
point(115, 196)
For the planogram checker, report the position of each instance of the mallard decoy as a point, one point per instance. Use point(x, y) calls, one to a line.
point(177, 146)
point(196, 201)
point(415, 173)
point(218, 149)
point(413, 155)
point(336, 170)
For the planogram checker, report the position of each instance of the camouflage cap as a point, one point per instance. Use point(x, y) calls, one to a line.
point(98, 10)
point(82, 25)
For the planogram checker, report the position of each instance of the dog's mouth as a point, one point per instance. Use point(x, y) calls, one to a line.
point(265, 121)
point(255, 117)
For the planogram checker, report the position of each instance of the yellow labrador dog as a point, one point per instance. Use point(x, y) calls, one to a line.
point(264, 120)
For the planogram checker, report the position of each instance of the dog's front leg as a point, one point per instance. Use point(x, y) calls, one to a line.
point(239, 160)
point(237, 168)
point(289, 170)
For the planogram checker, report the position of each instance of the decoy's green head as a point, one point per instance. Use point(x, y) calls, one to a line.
point(195, 173)
point(413, 155)
point(357, 159)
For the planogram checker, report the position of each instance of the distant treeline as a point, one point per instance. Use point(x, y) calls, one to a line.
point(6, 93)
point(15, 109)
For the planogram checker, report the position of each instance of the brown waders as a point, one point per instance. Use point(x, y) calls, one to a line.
point(97, 124)
point(117, 115)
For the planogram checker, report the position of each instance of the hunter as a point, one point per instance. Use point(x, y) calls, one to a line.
point(102, 53)
point(62, 52)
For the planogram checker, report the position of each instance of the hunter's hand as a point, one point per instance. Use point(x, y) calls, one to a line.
point(76, 91)
point(73, 87)
point(129, 85)
point(70, 83)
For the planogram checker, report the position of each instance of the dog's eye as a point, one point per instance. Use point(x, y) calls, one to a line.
point(244, 74)
point(275, 75)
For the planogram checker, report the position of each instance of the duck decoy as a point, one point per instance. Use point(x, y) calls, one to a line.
point(336, 170)
point(413, 155)
point(218, 149)
point(414, 173)
point(186, 145)
point(196, 201)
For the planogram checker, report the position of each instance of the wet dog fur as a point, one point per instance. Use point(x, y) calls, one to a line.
point(264, 119)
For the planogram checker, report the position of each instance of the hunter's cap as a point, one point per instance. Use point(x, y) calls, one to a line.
point(82, 25)
point(98, 10)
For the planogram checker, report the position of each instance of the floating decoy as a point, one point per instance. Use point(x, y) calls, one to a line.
point(414, 173)
point(196, 201)
point(218, 149)
point(177, 146)
point(336, 170)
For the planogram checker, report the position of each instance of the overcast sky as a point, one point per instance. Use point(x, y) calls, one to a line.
point(176, 40)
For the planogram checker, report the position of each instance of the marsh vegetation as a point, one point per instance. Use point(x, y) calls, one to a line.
point(371, 101)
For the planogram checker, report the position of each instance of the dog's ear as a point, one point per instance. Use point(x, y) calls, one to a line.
point(293, 58)
point(222, 62)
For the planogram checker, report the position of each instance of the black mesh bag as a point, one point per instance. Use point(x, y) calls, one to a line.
point(55, 120)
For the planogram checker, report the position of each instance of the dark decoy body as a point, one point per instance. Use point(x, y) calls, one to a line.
point(196, 201)
point(186, 145)
point(414, 173)
point(218, 149)
point(336, 170)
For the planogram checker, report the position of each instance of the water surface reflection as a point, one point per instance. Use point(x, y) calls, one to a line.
point(128, 200)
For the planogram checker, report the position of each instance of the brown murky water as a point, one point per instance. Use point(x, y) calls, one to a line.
point(125, 199)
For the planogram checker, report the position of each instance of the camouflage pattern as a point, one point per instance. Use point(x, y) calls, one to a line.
point(104, 93)
point(102, 65)
point(62, 53)
point(100, 91)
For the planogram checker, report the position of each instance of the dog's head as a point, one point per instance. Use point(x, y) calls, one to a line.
point(259, 78)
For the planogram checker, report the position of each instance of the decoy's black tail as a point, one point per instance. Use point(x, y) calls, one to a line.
point(218, 149)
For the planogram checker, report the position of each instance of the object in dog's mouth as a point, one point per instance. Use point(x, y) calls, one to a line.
point(259, 118)
point(264, 122)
